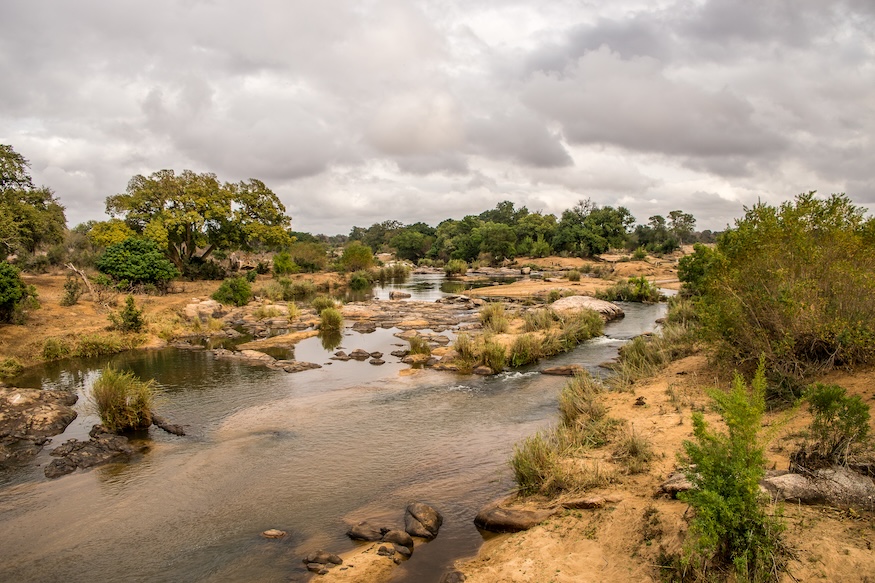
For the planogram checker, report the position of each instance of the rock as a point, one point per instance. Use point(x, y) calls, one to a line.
point(323, 558)
point(340, 355)
point(398, 295)
point(497, 518)
point(837, 485)
point(201, 310)
point(608, 310)
point(167, 426)
point(377, 361)
point(273, 533)
point(28, 417)
point(317, 568)
point(399, 537)
point(400, 353)
point(364, 327)
point(100, 449)
point(376, 354)
point(675, 484)
point(415, 359)
point(406, 552)
point(588, 503)
point(422, 520)
point(295, 365)
point(483, 370)
point(359, 354)
point(453, 577)
point(567, 370)
point(525, 271)
point(365, 531)
point(385, 551)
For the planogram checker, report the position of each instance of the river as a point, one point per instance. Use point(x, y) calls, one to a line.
point(309, 453)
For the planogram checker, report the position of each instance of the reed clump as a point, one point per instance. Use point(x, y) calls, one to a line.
point(123, 400)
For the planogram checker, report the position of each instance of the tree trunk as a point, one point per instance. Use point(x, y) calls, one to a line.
point(81, 274)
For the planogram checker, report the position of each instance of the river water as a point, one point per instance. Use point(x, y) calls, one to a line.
point(309, 453)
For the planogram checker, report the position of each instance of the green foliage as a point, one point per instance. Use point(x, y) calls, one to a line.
point(731, 528)
point(464, 346)
point(129, 318)
point(839, 425)
point(693, 268)
point(55, 349)
point(573, 275)
point(309, 256)
point(283, 264)
point(251, 275)
point(553, 295)
point(493, 355)
point(123, 401)
point(640, 254)
point(634, 289)
point(284, 289)
point(93, 345)
point(541, 319)
point(235, 291)
point(198, 268)
point(184, 212)
point(456, 267)
point(13, 292)
point(30, 216)
point(10, 367)
point(107, 233)
point(357, 257)
point(644, 356)
point(331, 320)
point(361, 280)
point(320, 303)
point(580, 326)
point(587, 229)
point(535, 465)
point(73, 290)
point(419, 345)
point(526, 349)
point(137, 261)
point(793, 284)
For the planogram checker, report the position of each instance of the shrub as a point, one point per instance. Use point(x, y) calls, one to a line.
point(283, 264)
point(644, 356)
point(730, 527)
point(234, 291)
point(526, 349)
point(794, 284)
point(492, 316)
point(542, 319)
point(10, 367)
point(640, 254)
point(137, 261)
point(357, 256)
point(464, 347)
point(55, 349)
point(129, 318)
point(92, 345)
point(331, 320)
point(361, 280)
point(251, 275)
point(581, 398)
point(573, 275)
point(73, 290)
point(535, 465)
point(124, 402)
point(309, 256)
point(456, 267)
point(580, 326)
point(553, 295)
point(541, 248)
point(320, 303)
point(493, 355)
point(839, 425)
point(13, 292)
point(419, 345)
point(293, 311)
point(198, 268)
point(635, 289)
point(284, 289)
point(634, 451)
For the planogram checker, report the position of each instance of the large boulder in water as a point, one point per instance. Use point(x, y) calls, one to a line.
point(422, 520)
point(365, 531)
point(572, 304)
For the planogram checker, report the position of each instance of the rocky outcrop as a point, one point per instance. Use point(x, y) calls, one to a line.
point(102, 448)
point(167, 426)
point(422, 520)
point(366, 531)
point(320, 562)
point(499, 517)
point(836, 486)
point(255, 357)
point(571, 304)
point(28, 417)
point(203, 309)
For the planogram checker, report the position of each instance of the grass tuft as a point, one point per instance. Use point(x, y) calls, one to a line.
point(123, 401)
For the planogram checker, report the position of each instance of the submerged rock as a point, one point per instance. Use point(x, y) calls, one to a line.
point(102, 448)
point(28, 417)
point(566, 370)
point(422, 520)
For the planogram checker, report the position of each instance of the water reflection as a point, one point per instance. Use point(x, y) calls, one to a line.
point(330, 339)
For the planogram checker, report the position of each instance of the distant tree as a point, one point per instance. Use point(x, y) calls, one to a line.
point(357, 256)
point(655, 236)
point(29, 216)
point(378, 235)
point(13, 291)
point(496, 239)
point(183, 213)
point(106, 233)
point(682, 225)
point(411, 244)
point(587, 229)
point(310, 256)
point(504, 213)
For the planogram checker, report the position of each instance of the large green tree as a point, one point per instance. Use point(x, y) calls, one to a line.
point(587, 229)
point(29, 216)
point(187, 212)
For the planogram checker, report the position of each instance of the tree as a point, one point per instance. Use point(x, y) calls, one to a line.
point(29, 216)
point(106, 233)
point(357, 256)
point(136, 261)
point(13, 291)
point(587, 229)
point(497, 239)
point(185, 212)
point(504, 213)
point(411, 244)
point(682, 224)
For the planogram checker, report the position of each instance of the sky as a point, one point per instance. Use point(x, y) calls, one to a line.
point(355, 112)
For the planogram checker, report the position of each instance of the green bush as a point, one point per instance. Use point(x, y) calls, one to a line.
point(640, 254)
point(464, 347)
point(320, 303)
point(234, 291)
point(129, 318)
point(573, 275)
point(493, 355)
point(331, 320)
point(357, 256)
point(839, 425)
point(92, 345)
point(361, 280)
point(731, 527)
point(635, 289)
point(55, 349)
point(123, 401)
point(580, 326)
point(456, 267)
point(198, 268)
point(73, 289)
point(535, 465)
point(283, 264)
point(553, 295)
point(644, 356)
point(793, 284)
point(309, 256)
point(13, 292)
point(526, 349)
point(251, 275)
point(137, 261)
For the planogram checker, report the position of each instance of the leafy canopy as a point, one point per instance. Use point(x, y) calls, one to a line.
point(188, 211)
point(137, 261)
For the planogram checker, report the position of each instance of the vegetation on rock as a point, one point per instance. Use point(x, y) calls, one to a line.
point(123, 401)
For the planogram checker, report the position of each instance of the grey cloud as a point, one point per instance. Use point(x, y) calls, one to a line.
point(521, 138)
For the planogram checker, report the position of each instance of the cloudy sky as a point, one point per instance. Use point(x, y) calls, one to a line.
point(355, 112)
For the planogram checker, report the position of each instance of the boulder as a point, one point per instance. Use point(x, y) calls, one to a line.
point(377, 361)
point(203, 309)
point(837, 485)
point(100, 449)
point(365, 327)
point(571, 304)
point(273, 533)
point(675, 484)
point(398, 295)
point(566, 370)
point(422, 520)
point(365, 531)
point(323, 558)
point(359, 354)
point(483, 370)
point(497, 518)
point(28, 417)
point(399, 537)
